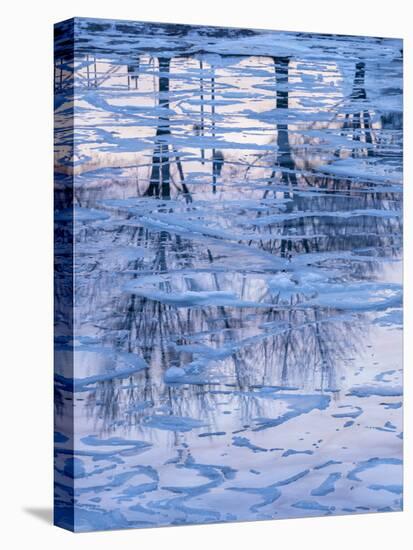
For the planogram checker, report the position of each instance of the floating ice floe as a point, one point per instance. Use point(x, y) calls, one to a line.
point(173, 374)
point(80, 214)
point(361, 169)
point(151, 287)
point(173, 423)
point(81, 367)
point(373, 390)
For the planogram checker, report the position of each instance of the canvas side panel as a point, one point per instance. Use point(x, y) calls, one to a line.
point(64, 460)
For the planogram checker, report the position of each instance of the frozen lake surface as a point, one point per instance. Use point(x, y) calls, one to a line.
point(235, 347)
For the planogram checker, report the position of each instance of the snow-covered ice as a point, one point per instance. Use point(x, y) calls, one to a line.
point(234, 347)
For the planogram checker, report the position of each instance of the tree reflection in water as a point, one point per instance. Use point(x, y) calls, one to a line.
point(237, 237)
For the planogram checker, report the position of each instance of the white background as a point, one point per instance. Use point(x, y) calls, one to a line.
point(26, 272)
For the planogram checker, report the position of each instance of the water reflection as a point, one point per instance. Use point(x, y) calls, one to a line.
point(236, 227)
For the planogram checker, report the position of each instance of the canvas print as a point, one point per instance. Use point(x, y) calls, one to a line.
point(228, 274)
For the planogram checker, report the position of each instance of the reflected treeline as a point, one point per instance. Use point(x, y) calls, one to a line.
point(301, 212)
point(281, 345)
point(307, 352)
point(159, 184)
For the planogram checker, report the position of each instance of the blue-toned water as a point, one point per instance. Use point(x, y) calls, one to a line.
point(235, 346)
